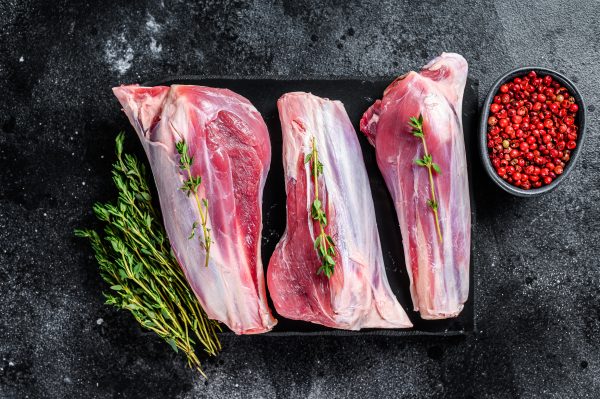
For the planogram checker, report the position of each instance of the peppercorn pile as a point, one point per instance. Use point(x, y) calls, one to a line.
point(531, 130)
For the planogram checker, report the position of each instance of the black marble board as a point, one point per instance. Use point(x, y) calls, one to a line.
point(357, 96)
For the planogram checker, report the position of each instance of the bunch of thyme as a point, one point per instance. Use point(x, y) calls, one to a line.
point(135, 259)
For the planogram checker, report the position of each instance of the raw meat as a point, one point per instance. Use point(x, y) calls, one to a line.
point(231, 151)
point(358, 294)
point(439, 271)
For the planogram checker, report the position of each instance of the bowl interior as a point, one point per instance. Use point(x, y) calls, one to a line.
point(579, 121)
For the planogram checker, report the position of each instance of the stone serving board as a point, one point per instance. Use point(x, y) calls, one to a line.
point(356, 95)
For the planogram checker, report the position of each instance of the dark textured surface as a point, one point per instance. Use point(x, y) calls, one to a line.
point(537, 289)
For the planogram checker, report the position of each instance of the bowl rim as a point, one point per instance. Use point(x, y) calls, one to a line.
point(580, 120)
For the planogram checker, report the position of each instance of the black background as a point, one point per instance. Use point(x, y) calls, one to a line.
point(536, 275)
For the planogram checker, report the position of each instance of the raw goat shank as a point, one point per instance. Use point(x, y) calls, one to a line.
point(438, 270)
point(358, 294)
point(231, 150)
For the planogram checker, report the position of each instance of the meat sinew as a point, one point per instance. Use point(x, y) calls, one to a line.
point(437, 262)
point(357, 294)
point(227, 145)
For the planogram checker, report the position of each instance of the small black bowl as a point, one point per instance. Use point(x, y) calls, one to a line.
point(483, 128)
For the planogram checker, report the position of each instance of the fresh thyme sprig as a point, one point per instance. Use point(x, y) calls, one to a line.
point(135, 259)
point(190, 186)
point(416, 123)
point(323, 243)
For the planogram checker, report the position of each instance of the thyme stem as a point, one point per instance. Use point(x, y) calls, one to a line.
point(416, 123)
point(316, 184)
point(191, 185)
point(324, 244)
